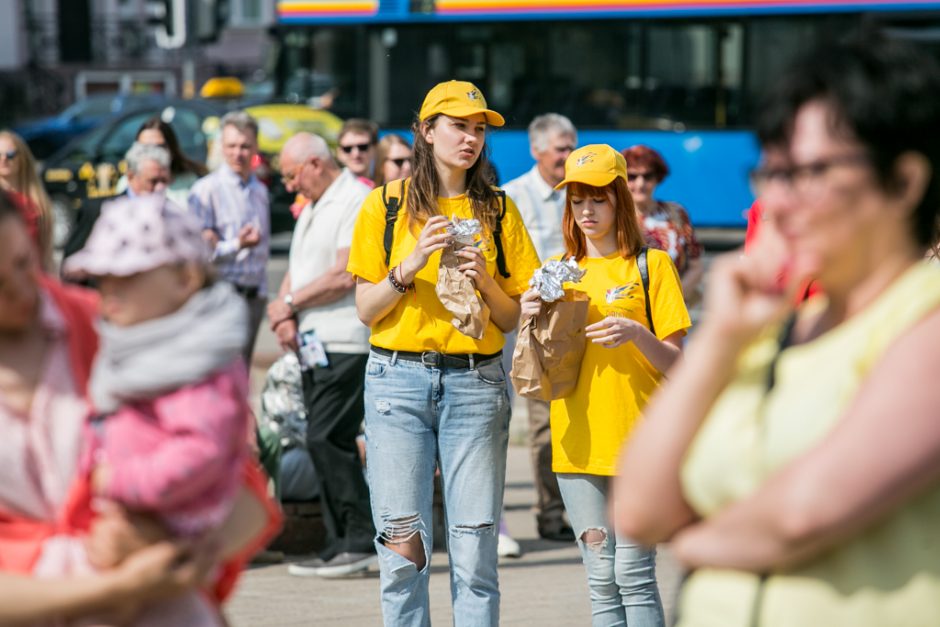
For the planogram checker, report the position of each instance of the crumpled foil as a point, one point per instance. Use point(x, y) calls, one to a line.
point(282, 402)
point(550, 278)
point(464, 231)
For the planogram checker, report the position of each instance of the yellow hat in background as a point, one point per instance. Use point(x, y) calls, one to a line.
point(596, 165)
point(458, 99)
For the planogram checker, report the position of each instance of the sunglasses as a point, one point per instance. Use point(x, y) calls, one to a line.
point(648, 176)
point(400, 162)
point(360, 147)
point(9, 155)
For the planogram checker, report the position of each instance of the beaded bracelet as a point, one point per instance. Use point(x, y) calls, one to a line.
point(397, 285)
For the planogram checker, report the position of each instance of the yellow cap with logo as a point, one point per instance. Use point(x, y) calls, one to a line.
point(596, 165)
point(458, 99)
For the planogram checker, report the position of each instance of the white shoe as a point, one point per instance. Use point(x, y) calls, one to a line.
point(507, 547)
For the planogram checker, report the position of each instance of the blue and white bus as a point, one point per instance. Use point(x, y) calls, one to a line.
point(683, 76)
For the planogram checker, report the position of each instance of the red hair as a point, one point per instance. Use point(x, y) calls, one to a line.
point(626, 225)
point(642, 157)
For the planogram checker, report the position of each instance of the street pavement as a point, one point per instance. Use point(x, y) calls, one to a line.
point(546, 586)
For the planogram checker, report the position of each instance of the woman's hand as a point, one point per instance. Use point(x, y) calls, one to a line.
point(475, 268)
point(165, 569)
point(431, 239)
point(531, 303)
point(613, 331)
point(115, 534)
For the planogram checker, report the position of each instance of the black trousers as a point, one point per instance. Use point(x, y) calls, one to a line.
point(333, 396)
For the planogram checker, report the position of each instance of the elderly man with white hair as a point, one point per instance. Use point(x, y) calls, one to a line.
point(148, 171)
point(316, 305)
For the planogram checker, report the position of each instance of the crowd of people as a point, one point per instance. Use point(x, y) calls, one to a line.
point(790, 454)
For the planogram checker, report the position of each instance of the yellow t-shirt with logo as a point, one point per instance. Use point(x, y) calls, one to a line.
point(590, 426)
point(419, 321)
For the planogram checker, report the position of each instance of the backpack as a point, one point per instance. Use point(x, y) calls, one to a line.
point(393, 204)
point(643, 266)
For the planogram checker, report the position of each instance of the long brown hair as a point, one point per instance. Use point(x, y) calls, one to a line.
point(421, 200)
point(626, 225)
point(179, 162)
point(26, 182)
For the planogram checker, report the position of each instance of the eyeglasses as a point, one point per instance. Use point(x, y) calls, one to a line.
point(805, 179)
point(360, 147)
point(647, 176)
point(401, 161)
point(288, 179)
point(9, 155)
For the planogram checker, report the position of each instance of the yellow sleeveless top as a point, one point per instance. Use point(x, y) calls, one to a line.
point(887, 577)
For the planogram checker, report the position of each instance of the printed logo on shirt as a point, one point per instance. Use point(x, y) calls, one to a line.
point(620, 293)
point(585, 159)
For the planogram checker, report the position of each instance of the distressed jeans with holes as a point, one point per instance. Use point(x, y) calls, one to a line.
point(415, 416)
point(621, 574)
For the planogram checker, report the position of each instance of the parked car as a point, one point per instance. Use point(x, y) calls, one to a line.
point(46, 135)
point(91, 165)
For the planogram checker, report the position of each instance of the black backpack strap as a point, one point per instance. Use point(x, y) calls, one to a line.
point(497, 236)
point(392, 206)
point(643, 265)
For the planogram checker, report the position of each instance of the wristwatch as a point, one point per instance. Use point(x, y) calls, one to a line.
point(289, 301)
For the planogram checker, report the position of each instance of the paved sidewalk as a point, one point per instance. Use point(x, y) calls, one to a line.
point(547, 586)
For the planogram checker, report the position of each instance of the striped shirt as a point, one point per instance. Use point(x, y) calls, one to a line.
point(225, 203)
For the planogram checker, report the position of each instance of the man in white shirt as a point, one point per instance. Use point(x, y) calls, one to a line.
point(552, 137)
point(317, 300)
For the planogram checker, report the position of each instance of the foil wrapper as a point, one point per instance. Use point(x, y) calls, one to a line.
point(551, 277)
point(464, 231)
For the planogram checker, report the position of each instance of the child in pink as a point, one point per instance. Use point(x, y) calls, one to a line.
point(169, 382)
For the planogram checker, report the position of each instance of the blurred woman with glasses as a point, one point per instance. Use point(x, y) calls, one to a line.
point(665, 224)
point(793, 457)
point(393, 159)
point(19, 177)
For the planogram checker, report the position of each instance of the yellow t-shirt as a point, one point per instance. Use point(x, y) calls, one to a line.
point(590, 426)
point(419, 321)
point(887, 575)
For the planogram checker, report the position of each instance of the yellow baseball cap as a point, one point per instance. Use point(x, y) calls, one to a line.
point(458, 99)
point(596, 165)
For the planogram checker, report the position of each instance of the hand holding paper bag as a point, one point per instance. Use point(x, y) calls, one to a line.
point(550, 346)
point(455, 289)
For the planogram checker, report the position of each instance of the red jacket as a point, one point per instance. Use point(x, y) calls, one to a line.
point(21, 538)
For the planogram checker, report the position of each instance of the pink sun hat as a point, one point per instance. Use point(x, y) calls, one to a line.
point(138, 234)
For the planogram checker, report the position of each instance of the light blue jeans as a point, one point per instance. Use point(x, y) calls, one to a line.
point(621, 574)
point(417, 416)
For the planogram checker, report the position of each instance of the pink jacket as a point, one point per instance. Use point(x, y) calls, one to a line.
point(180, 454)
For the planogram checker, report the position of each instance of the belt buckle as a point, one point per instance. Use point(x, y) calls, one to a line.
point(431, 359)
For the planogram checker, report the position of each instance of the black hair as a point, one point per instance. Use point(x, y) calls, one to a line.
point(883, 93)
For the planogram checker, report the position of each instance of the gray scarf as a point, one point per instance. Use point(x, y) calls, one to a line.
point(148, 359)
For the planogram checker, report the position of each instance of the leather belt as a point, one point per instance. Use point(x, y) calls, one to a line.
point(433, 359)
point(245, 291)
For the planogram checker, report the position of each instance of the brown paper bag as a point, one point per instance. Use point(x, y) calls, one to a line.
point(459, 296)
point(547, 359)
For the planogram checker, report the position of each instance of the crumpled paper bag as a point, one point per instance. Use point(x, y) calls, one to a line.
point(456, 290)
point(547, 360)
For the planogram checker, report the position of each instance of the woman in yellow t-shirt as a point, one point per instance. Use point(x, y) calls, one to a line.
point(794, 456)
point(623, 364)
point(433, 395)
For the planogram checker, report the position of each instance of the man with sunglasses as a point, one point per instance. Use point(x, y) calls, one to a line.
point(356, 148)
point(315, 313)
point(552, 137)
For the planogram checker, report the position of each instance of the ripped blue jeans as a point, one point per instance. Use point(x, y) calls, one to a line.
point(621, 573)
point(417, 416)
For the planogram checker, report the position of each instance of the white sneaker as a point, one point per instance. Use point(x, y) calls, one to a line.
point(507, 547)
